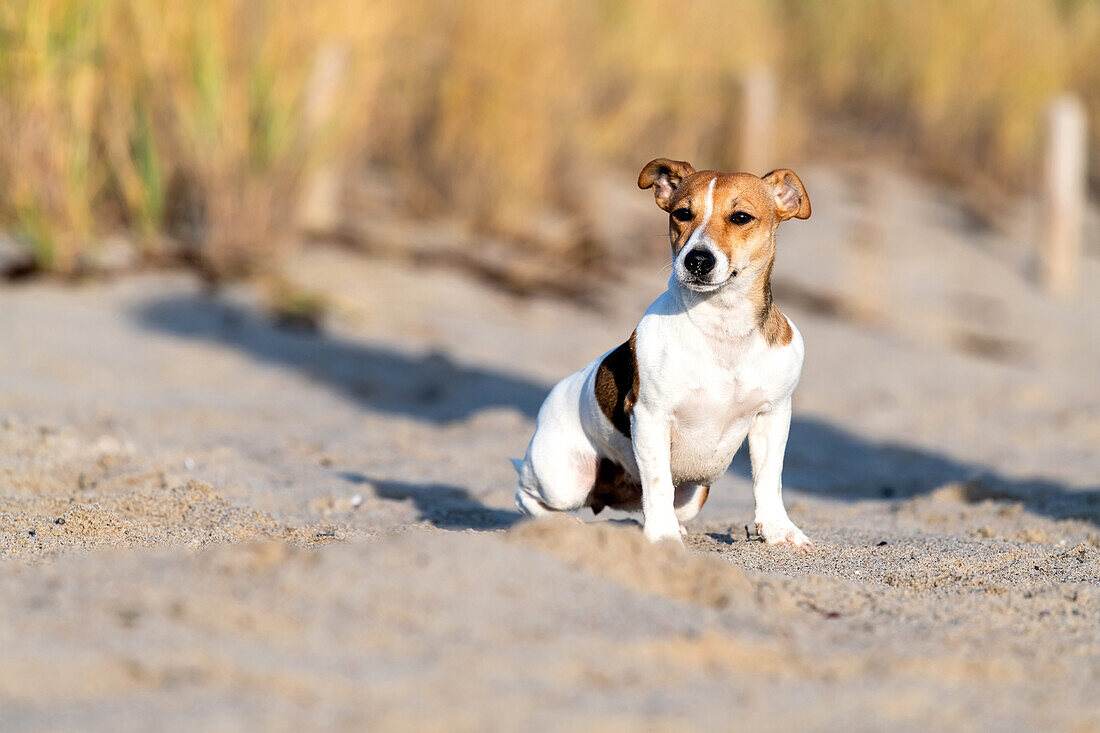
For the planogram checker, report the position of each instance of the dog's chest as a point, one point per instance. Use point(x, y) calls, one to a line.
point(711, 418)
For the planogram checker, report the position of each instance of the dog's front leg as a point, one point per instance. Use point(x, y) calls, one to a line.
point(650, 431)
point(767, 444)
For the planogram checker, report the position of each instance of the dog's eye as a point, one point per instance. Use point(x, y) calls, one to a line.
point(740, 218)
point(682, 214)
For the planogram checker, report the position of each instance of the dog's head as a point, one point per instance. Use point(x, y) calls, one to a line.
point(722, 224)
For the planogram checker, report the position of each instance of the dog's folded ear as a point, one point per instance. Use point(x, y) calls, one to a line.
point(665, 176)
point(791, 200)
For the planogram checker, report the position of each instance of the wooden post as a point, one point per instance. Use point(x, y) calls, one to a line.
point(318, 211)
point(1064, 190)
point(758, 122)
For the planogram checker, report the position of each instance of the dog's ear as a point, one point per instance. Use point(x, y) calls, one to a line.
point(791, 200)
point(665, 176)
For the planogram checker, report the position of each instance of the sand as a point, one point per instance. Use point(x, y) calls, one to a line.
point(207, 522)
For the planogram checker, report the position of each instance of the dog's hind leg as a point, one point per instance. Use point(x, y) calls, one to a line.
point(689, 500)
point(530, 505)
point(555, 478)
point(561, 463)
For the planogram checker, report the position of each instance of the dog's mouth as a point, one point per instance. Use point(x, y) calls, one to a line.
point(700, 285)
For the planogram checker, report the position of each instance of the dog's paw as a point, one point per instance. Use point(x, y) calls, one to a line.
point(661, 535)
point(783, 532)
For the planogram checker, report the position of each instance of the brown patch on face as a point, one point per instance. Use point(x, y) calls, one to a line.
point(614, 488)
point(682, 191)
point(616, 385)
point(743, 215)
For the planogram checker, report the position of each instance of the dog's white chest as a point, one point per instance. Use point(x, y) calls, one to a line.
point(708, 425)
point(720, 389)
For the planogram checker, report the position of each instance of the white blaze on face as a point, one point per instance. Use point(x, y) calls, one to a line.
point(709, 208)
point(698, 240)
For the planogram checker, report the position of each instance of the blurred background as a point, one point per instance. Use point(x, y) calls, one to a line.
point(219, 134)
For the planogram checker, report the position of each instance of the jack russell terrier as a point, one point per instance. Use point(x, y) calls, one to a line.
point(653, 423)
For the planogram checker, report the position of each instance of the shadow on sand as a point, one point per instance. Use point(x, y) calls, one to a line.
point(831, 462)
point(821, 458)
point(447, 507)
point(428, 387)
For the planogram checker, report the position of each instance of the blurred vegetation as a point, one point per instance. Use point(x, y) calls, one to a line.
point(183, 123)
point(193, 126)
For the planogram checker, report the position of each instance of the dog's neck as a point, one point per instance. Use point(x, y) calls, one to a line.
point(733, 312)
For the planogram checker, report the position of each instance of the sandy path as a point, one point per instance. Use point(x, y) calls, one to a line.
point(207, 520)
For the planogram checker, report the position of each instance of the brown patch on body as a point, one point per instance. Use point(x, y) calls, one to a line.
point(616, 385)
point(614, 488)
point(616, 390)
point(776, 329)
point(770, 320)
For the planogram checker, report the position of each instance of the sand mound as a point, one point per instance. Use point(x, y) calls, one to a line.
point(622, 554)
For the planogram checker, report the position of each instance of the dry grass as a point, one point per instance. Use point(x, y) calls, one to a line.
point(163, 118)
point(192, 125)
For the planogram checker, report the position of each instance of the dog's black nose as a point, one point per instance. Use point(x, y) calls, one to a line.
point(699, 262)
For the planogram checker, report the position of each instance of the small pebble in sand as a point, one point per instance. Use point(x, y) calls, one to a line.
point(189, 464)
point(356, 501)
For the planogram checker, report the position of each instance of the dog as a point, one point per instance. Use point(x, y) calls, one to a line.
point(651, 424)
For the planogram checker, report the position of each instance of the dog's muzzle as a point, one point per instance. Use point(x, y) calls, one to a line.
point(700, 263)
point(703, 269)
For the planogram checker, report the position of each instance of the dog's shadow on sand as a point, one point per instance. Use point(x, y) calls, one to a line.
point(443, 506)
point(822, 458)
point(429, 386)
point(831, 462)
